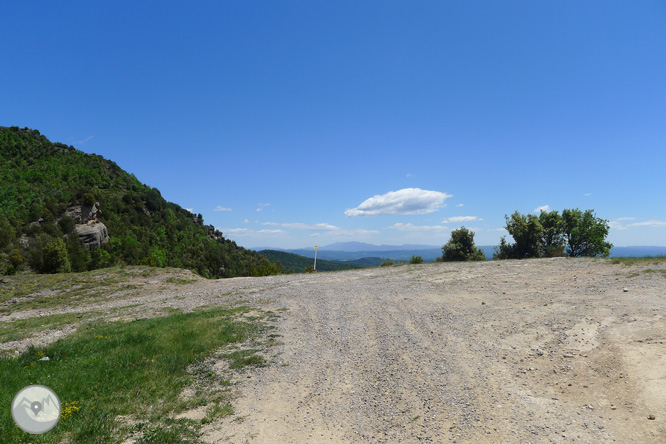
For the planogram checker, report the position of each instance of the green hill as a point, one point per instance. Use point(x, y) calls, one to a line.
point(62, 209)
point(293, 263)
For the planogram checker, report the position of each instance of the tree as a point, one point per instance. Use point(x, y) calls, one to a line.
point(552, 236)
point(416, 260)
point(54, 257)
point(526, 231)
point(461, 247)
point(585, 233)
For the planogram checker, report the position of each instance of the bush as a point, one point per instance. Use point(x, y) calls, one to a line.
point(54, 257)
point(461, 247)
point(309, 269)
point(387, 263)
point(416, 260)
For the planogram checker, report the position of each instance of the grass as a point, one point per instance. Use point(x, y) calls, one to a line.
point(23, 328)
point(647, 260)
point(26, 291)
point(135, 369)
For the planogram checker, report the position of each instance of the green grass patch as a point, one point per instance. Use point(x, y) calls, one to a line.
point(647, 260)
point(136, 369)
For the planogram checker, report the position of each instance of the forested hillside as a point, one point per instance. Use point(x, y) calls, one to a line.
point(293, 263)
point(65, 210)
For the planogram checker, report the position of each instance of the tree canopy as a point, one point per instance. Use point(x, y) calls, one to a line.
point(39, 180)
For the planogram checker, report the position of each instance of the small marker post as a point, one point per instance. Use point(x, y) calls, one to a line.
point(315, 263)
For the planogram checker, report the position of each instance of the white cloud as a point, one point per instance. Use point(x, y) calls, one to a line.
point(269, 223)
point(456, 219)
point(626, 218)
point(587, 194)
point(616, 225)
point(83, 142)
point(497, 229)
point(311, 227)
point(249, 232)
point(410, 175)
point(411, 227)
point(221, 208)
point(542, 208)
point(405, 201)
point(191, 210)
point(460, 205)
point(649, 223)
point(262, 206)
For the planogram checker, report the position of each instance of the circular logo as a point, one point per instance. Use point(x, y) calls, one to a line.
point(36, 409)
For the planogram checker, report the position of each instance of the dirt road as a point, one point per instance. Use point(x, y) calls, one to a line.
point(539, 351)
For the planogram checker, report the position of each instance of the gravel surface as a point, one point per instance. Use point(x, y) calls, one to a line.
point(535, 351)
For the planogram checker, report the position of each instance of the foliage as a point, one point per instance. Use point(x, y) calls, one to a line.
point(460, 247)
point(581, 233)
point(416, 260)
point(39, 180)
point(585, 233)
point(527, 232)
point(387, 263)
point(137, 369)
point(552, 237)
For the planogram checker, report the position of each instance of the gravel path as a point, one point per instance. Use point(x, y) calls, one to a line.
point(550, 351)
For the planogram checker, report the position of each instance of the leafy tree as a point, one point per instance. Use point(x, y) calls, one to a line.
point(526, 231)
point(585, 233)
point(461, 247)
point(552, 236)
point(54, 257)
point(416, 260)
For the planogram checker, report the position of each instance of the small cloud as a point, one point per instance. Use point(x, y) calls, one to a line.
point(270, 223)
point(262, 206)
point(411, 227)
point(191, 210)
point(315, 235)
point(221, 208)
point(497, 229)
point(409, 175)
point(83, 142)
point(460, 205)
point(587, 194)
point(625, 218)
point(311, 227)
point(405, 201)
point(542, 208)
point(649, 223)
point(616, 225)
point(457, 219)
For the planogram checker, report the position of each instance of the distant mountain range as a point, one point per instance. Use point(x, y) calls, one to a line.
point(352, 251)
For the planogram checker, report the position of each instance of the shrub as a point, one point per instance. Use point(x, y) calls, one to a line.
point(387, 263)
point(461, 247)
point(416, 260)
point(54, 257)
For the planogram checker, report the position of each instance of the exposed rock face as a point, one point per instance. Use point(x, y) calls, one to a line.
point(93, 234)
point(83, 214)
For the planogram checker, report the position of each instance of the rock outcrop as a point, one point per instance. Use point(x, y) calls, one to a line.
point(93, 234)
point(91, 231)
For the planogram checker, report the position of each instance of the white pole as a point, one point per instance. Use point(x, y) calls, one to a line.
point(315, 263)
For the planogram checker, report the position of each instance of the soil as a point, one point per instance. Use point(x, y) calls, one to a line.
point(536, 351)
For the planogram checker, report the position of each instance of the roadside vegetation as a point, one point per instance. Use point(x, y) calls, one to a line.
point(127, 379)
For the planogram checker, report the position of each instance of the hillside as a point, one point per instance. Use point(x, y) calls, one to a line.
point(294, 263)
point(62, 209)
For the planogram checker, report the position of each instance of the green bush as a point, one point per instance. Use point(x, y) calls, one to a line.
point(54, 257)
point(461, 247)
point(416, 260)
point(387, 263)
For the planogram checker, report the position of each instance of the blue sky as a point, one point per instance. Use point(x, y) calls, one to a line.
point(290, 124)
